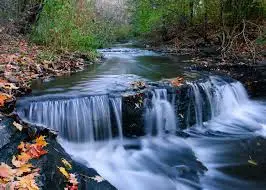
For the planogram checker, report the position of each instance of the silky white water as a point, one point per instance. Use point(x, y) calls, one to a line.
point(160, 159)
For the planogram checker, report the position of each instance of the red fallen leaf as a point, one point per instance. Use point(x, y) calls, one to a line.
point(36, 151)
point(72, 187)
point(177, 81)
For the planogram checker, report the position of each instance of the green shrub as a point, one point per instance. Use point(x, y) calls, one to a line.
point(64, 25)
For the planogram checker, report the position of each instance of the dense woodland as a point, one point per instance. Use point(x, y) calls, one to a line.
point(233, 27)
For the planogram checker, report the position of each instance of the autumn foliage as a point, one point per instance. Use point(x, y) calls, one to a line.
point(22, 175)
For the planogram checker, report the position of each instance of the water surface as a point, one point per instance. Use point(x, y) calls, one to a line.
point(212, 154)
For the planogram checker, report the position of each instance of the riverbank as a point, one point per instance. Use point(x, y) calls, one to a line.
point(36, 166)
point(21, 62)
point(209, 59)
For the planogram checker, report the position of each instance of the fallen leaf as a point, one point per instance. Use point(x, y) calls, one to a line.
point(64, 172)
point(3, 98)
point(23, 169)
point(18, 126)
point(73, 180)
point(41, 141)
point(24, 157)
point(177, 81)
point(22, 146)
point(71, 187)
point(67, 164)
point(16, 162)
point(6, 171)
point(253, 162)
point(35, 151)
point(27, 182)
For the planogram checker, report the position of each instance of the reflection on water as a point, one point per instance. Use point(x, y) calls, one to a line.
point(122, 66)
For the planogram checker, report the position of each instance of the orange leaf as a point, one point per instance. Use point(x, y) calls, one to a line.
point(24, 157)
point(41, 141)
point(3, 98)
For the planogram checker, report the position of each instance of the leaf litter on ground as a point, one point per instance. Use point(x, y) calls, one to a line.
point(22, 175)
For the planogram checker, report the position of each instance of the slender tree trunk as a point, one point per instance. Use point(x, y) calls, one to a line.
point(191, 7)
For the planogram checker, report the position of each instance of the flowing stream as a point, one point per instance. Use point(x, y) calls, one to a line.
point(220, 147)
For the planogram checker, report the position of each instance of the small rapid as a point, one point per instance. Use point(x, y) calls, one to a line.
point(78, 119)
point(200, 138)
point(225, 107)
point(160, 116)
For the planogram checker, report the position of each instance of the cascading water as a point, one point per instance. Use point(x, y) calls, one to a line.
point(160, 117)
point(159, 160)
point(216, 97)
point(78, 119)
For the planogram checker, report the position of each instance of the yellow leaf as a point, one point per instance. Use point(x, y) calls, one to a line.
point(23, 169)
point(64, 172)
point(27, 182)
point(18, 126)
point(41, 141)
point(67, 164)
point(253, 162)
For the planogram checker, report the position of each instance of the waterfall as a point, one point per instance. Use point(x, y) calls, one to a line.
point(160, 115)
point(216, 96)
point(117, 107)
point(78, 119)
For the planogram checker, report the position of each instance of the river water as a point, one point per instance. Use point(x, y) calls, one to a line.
point(225, 151)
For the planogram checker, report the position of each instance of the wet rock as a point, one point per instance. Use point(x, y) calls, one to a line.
point(252, 76)
point(50, 177)
point(6, 130)
point(7, 104)
point(133, 110)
